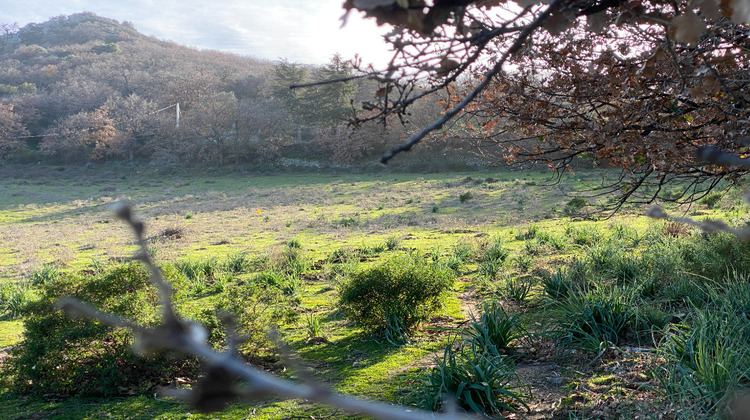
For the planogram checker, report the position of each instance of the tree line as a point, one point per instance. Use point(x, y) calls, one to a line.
point(83, 88)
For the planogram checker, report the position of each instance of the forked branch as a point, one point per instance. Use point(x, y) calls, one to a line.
point(219, 386)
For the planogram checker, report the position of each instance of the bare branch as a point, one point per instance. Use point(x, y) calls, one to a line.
point(217, 388)
point(496, 69)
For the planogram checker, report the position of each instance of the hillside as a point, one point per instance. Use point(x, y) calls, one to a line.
point(87, 89)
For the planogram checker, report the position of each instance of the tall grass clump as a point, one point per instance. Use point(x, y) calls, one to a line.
point(496, 327)
point(393, 296)
point(237, 263)
point(291, 260)
point(13, 299)
point(594, 318)
point(477, 378)
point(557, 242)
point(558, 286)
point(460, 254)
point(286, 283)
point(714, 256)
point(195, 269)
point(478, 372)
point(46, 273)
point(493, 257)
point(707, 358)
point(586, 236)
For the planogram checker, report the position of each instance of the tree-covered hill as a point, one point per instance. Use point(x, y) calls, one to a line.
point(83, 88)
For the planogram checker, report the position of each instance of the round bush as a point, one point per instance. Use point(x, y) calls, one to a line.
point(395, 295)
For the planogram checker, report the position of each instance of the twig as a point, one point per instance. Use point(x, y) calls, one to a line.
point(496, 69)
point(217, 388)
point(716, 156)
point(708, 226)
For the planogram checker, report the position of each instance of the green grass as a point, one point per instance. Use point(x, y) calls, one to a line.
point(509, 241)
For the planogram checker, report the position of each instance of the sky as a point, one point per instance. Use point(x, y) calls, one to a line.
point(302, 31)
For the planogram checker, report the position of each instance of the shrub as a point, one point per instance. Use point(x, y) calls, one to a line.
point(465, 197)
point(395, 295)
point(257, 305)
point(392, 243)
point(575, 205)
point(711, 200)
point(60, 355)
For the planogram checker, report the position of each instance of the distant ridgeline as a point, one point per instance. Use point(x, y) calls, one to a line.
point(82, 88)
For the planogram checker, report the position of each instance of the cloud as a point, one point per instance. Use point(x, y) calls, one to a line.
point(298, 30)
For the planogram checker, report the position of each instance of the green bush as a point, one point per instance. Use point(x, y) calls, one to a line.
point(575, 205)
point(257, 305)
point(395, 295)
point(76, 356)
point(465, 197)
point(711, 200)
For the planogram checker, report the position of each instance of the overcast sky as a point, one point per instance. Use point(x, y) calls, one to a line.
point(304, 31)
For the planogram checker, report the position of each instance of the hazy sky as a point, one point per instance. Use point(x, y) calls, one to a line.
point(305, 31)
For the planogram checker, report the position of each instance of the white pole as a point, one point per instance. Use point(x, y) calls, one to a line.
point(177, 116)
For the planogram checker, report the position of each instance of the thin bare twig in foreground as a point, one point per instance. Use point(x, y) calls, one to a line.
point(217, 388)
point(496, 69)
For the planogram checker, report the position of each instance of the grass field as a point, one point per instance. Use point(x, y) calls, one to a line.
point(57, 221)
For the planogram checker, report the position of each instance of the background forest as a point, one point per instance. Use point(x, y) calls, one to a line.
point(82, 88)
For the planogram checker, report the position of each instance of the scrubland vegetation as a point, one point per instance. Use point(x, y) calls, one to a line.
point(388, 286)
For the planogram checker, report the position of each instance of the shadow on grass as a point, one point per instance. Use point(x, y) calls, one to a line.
point(345, 357)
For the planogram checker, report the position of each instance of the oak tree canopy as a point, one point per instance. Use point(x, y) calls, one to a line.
point(642, 85)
